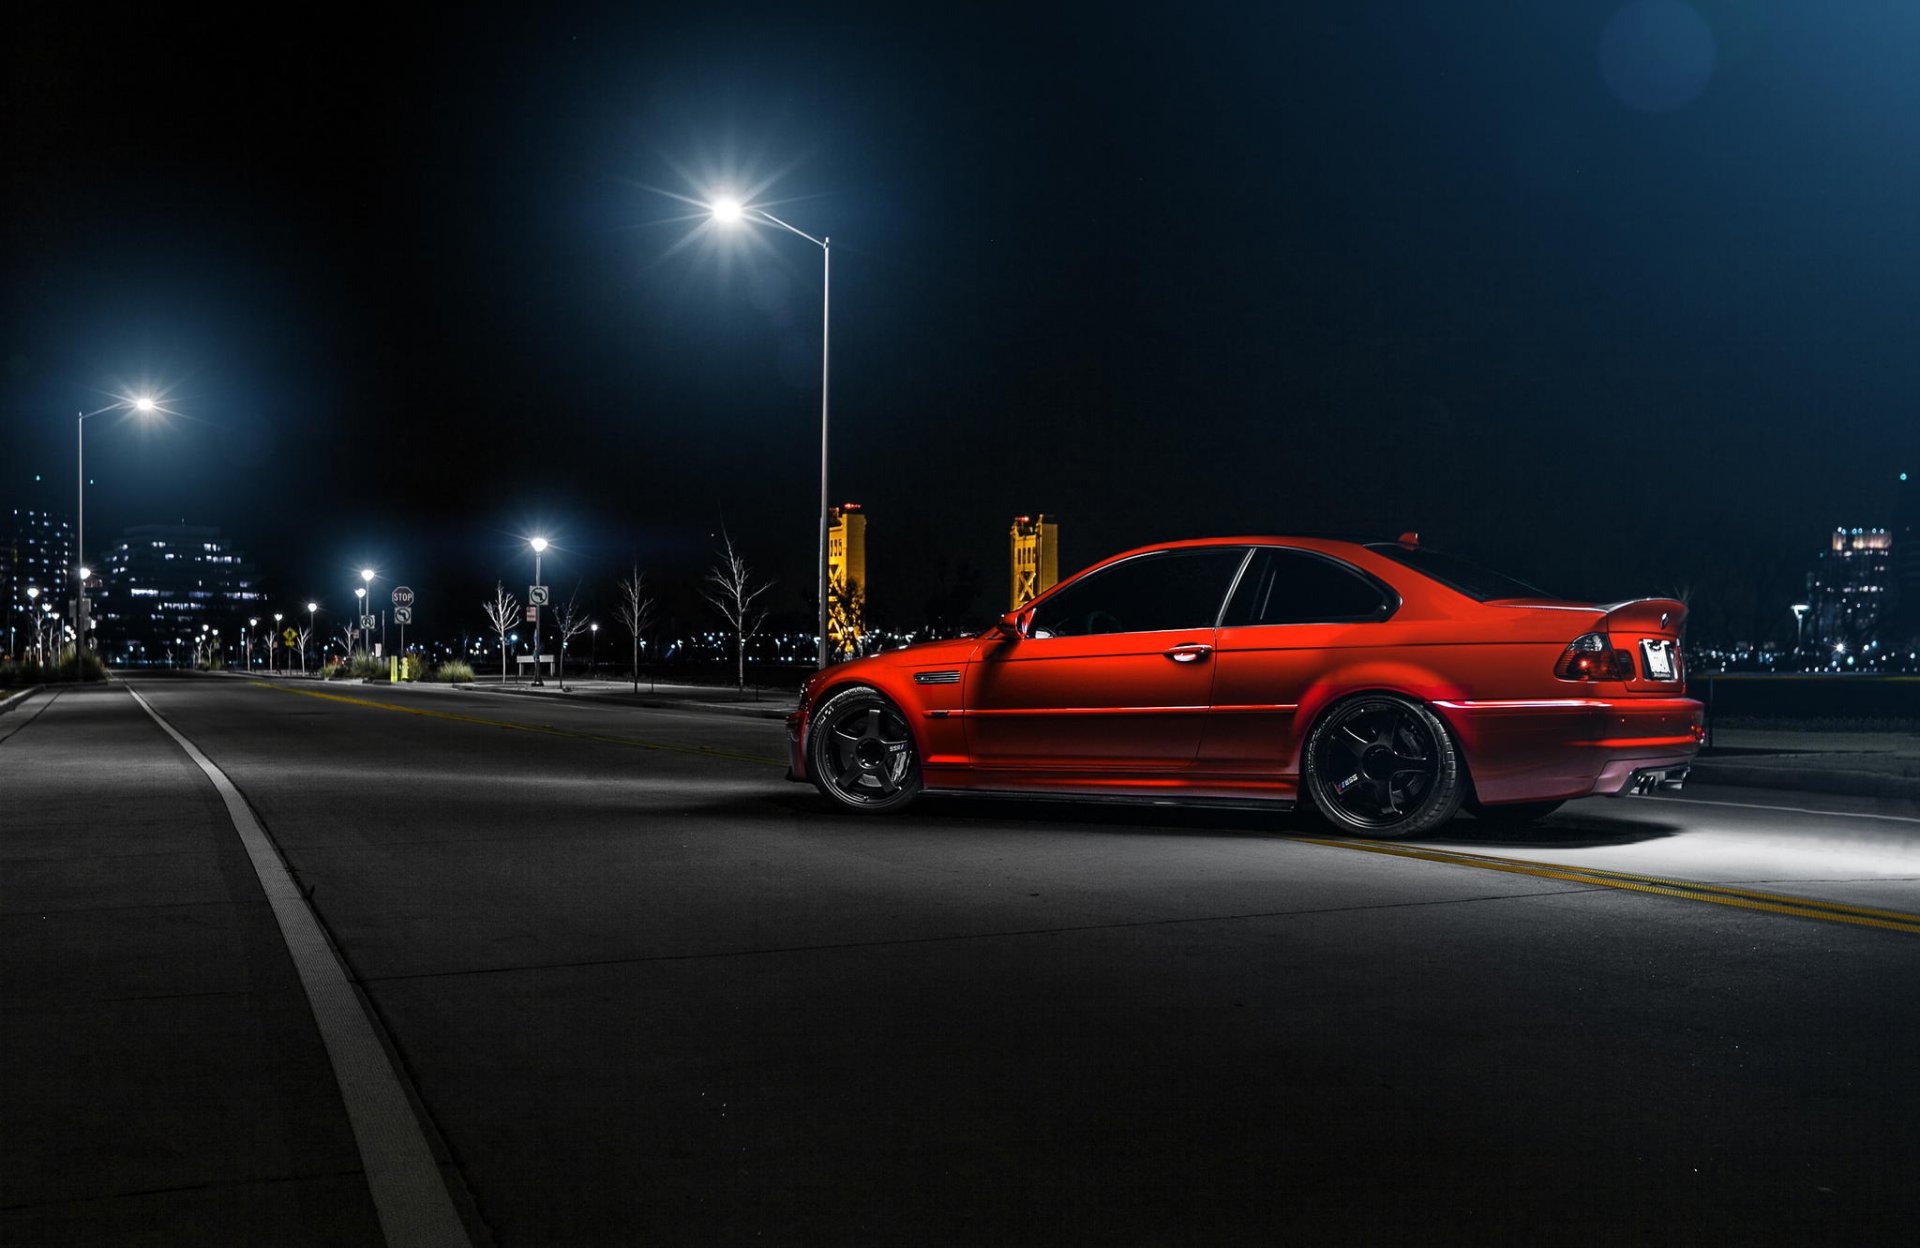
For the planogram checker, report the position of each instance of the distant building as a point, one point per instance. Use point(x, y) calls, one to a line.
point(1036, 558)
point(36, 552)
point(1849, 589)
point(846, 578)
point(162, 582)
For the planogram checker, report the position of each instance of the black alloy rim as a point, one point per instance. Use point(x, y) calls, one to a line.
point(1378, 761)
point(869, 753)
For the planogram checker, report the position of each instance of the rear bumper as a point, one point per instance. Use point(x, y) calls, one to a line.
point(1552, 749)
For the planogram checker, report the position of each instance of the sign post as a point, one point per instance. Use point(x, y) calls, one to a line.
point(403, 616)
point(536, 598)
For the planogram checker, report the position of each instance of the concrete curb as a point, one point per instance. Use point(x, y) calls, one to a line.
point(1804, 779)
point(16, 698)
point(772, 711)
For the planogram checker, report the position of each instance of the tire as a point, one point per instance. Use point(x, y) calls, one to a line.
point(1513, 814)
point(1384, 766)
point(860, 753)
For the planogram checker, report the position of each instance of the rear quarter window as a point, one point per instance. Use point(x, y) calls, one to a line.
point(1298, 587)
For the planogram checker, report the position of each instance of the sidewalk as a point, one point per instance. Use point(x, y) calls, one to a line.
point(1864, 764)
point(765, 704)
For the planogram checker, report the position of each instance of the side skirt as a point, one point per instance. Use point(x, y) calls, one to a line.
point(1278, 804)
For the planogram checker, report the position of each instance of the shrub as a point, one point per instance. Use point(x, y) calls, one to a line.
point(87, 668)
point(365, 667)
point(454, 670)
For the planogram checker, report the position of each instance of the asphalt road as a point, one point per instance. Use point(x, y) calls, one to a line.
point(646, 991)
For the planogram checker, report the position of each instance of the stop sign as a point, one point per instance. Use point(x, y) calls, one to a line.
point(402, 596)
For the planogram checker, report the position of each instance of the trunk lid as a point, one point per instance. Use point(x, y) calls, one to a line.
point(1649, 629)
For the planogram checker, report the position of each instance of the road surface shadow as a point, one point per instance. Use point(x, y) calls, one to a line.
point(1567, 830)
point(1562, 830)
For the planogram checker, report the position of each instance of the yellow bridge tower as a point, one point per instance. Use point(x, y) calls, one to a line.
point(846, 578)
point(1036, 558)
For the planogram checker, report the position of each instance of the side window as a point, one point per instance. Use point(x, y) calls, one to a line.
point(1153, 593)
point(1296, 587)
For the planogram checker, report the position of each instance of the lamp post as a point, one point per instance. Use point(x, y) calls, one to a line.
point(246, 640)
point(274, 641)
point(311, 608)
point(1799, 610)
point(360, 620)
point(593, 652)
point(539, 545)
point(368, 575)
point(727, 211)
point(144, 405)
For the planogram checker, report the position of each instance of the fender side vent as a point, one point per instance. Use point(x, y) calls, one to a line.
point(936, 678)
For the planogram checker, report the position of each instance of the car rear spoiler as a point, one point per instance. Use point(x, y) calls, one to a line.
point(1658, 616)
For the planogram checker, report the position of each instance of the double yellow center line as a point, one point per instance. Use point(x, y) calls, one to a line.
point(547, 730)
point(1685, 890)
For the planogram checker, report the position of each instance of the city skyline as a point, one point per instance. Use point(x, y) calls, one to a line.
point(969, 598)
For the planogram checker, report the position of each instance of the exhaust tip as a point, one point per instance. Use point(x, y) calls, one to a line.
point(1658, 779)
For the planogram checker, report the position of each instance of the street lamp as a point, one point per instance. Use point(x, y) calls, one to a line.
point(311, 608)
point(33, 600)
point(145, 406)
point(593, 652)
point(1799, 610)
point(274, 641)
point(368, 575)
point(729, 211)
point(539, 545)
point(246, 640)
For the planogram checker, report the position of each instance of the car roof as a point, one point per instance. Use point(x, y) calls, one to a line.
point(1349, 548)
point(1327, 543)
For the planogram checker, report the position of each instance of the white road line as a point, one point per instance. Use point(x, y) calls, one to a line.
point(1795, 810)
point(408, 1193)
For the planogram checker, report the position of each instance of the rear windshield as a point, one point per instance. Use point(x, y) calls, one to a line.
point(1468, 578)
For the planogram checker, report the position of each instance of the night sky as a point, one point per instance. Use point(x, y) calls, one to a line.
point(1618, 298)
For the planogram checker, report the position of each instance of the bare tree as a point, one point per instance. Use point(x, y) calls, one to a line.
point(636, 612)
point(346, 642)
point(733, 595)
point(502, 614)
point(305, 635)
point(571, 621)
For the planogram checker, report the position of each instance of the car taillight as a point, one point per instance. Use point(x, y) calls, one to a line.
point(1591, 656)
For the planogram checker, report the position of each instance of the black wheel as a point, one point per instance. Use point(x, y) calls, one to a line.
point(1513, 814)
point(860, 753)
point(1385, 766)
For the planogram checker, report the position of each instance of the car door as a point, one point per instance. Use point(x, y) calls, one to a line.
point(1115, 671)
point(1291, 611)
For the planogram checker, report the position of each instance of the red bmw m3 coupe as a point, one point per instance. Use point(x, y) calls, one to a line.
point(1388, 684)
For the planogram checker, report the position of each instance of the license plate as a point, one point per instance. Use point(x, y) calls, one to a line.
point(1659, 659)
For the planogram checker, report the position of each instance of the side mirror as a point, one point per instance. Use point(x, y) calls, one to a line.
point(1013, 625)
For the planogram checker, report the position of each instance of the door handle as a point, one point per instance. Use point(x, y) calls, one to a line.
point(1189, 654)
